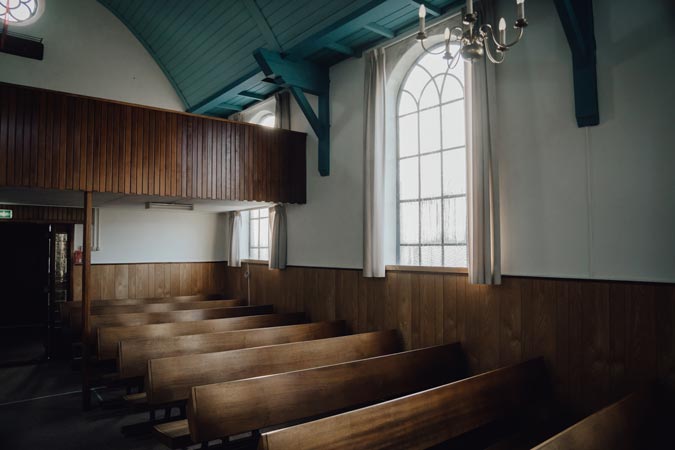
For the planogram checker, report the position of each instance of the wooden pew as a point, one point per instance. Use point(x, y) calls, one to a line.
point(109, 337)
point(226, 409)
point(190, 315)
point(421, 420)
point(75, 307)
point(98, 310)
point(169, 380)
point(133, 355)
point(620, 426)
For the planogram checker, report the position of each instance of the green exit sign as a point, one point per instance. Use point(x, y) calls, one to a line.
point(5, 213)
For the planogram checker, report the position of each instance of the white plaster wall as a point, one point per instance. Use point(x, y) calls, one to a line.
point(328, 230)
point(585, 203)
point(88, 51)
point(135, 235)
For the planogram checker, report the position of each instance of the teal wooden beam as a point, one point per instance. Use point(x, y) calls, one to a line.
point(576, 17)
point(431, 9)
point(302, 77)
point(285, 72)
point(341, 49)
point(379, 29)
point(262, 25)
point(246, 82)
point(252, 95)
point(230, 106)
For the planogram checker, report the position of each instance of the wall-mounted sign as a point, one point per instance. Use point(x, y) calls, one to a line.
point(5, 213)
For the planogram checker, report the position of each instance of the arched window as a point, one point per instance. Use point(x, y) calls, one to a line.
point(20, 12)
point(267, 120)
point(432, 204)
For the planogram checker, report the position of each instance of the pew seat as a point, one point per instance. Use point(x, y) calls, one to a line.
point(169, 380)
point(424, 419)
point(133, 355)
point(222, 410)
point(108, 338)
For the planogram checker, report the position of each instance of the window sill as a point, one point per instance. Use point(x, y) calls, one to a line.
point(255, 261)
point(426, 269)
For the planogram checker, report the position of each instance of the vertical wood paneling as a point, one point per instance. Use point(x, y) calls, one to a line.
point(62, 141)
point(600, 339)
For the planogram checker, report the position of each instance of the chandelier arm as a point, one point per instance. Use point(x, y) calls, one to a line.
point(494, 60)
point(521, 32)
point(429, 51)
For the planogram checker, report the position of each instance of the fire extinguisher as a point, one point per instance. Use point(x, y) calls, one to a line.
point(77, 256)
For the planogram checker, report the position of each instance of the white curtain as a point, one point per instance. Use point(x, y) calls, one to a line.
point(282, 110)
point(234, 237)
point(277, 239)
point(482, 182)
point(374, 164)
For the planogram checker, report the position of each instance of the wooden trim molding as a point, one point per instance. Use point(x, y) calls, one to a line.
point(54, 140)
point(427, 269)
point(44, 214)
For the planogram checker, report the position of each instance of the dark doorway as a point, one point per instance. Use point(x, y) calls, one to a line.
point(24, 287)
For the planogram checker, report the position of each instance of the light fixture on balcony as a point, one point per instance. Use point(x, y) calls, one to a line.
point(173, 206)
point(475, 41)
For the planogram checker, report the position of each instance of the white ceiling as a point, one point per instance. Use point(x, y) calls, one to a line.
point(47, 197)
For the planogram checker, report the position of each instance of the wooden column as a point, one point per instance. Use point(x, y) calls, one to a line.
point(86, 298)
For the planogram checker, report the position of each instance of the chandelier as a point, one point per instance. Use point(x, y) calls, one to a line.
point(476, 41)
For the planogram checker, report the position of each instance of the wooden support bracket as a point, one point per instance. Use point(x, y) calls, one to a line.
point(302, 77)
point(576, 17)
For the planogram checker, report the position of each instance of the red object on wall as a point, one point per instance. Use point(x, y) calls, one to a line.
point(77, 256)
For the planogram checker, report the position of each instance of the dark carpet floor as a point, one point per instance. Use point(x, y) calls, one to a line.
point(41, 408)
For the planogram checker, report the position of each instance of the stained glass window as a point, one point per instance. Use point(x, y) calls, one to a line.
point(432, 209)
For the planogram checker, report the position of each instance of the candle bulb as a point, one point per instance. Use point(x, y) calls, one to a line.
point(446, 34)
point(520, 4)
point(422, 14)
point(502, 31)
point(469, 6)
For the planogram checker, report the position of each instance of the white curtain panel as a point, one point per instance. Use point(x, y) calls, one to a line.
point(482, 177)
point(234, 238)
point(374, 164)
point(277, 239)
point(282, 110)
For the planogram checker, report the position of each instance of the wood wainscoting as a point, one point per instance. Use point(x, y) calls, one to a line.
point(601, 339)
point(120, 281)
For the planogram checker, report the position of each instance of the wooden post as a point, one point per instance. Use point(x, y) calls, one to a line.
point(86, 299)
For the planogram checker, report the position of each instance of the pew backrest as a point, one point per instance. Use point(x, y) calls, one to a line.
point(175, 316)
point(109, 337)
point(616, 427)
point(75, 307)
point(97, 310)
point(133, 355)
point(170, 379)
point(224, 409)
point(421, 420)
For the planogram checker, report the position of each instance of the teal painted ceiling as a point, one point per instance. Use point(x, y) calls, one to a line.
point(206, 47)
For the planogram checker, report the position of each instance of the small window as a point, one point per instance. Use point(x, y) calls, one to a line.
point(268, 120)
point(258, 246)
point(20, 12)
point(432, 208)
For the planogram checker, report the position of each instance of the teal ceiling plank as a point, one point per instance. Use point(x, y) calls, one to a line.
point(252, 94)
point(379, 29)
point(340, 48)
point(431, 9)
point(238, 63)
point(148, 48)
point(262, 25)
point(308, 77)
point(183, 30)
point(168, 16)
point(232, 89)
point(205, 56)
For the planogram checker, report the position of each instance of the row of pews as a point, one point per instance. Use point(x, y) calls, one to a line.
point(245, 377)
